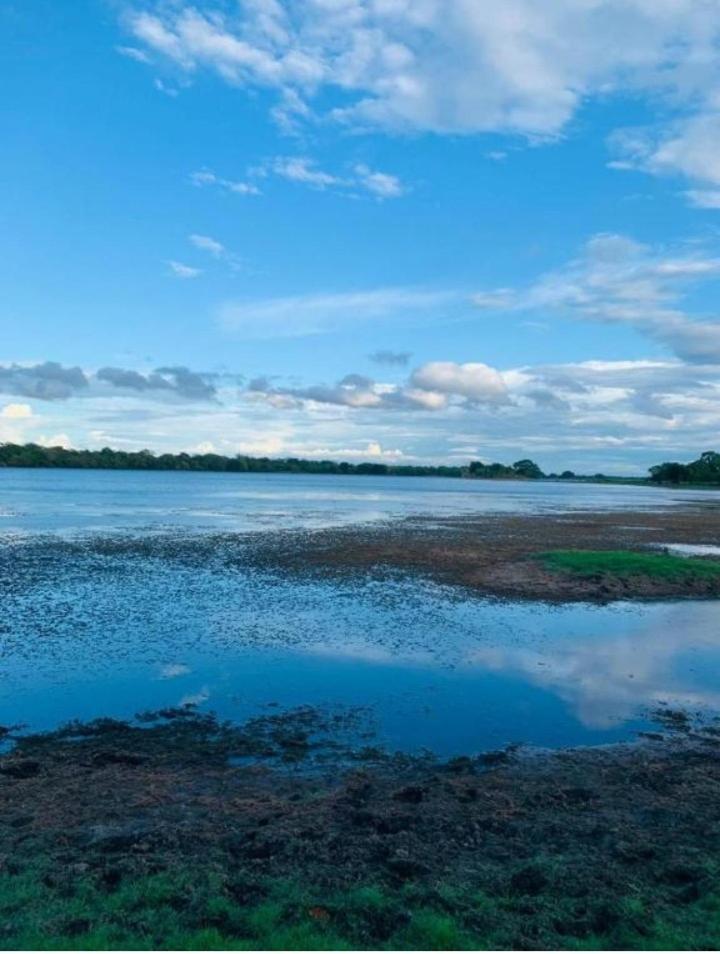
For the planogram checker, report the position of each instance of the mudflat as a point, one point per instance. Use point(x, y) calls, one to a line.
point(501, 555)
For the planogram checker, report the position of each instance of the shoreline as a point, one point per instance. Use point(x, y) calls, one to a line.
point(499, 849)
point(293, 830)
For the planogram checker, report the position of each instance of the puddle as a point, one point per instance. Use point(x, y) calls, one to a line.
point(690, 549)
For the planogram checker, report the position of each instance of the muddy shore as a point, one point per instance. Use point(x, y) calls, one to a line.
point(573, 832)
point(495, 555)
point(293, 830)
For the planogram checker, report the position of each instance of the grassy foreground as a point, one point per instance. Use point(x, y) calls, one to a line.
point(625, 564)
point(204, 908)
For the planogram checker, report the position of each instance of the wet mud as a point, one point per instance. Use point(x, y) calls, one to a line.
point(289, 795)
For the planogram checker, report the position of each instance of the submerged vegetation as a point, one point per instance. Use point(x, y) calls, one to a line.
point(630, 563)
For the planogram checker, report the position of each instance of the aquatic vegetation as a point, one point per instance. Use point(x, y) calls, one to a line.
point(630, 563)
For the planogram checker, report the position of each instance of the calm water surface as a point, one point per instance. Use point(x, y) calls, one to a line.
point(35, 501)
point(93, 628)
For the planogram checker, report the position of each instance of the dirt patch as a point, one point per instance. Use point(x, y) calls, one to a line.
point(495, 554)
point(169, 791)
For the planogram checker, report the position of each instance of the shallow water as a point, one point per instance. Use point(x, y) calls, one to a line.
point(100, 624)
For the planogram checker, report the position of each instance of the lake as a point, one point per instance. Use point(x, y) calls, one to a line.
point(96, 624)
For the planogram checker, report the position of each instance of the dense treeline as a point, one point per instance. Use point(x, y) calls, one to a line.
point(33, 455)
point(705, 470)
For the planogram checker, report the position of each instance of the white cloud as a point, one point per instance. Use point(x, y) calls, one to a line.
point(381, 184)
point(703, 198)
point(133, 53)
point(15, 412)
point(431, 387)
point(205, 177)
point(448, 66)
point(618, 416)
point(306, 171)
point(55, 440)
point(207, 244)
point(179, 270)
point(475, 381)
point(162, 87)
point(373, 450)
point(618, 280)
point(312, 314)
point(688, 148)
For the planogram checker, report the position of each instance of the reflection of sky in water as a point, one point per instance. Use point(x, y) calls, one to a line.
point(74, 500)
point(98, 635)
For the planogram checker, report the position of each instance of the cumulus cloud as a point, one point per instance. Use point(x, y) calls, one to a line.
point(618, 280)
point(16, 412)
point(51, 381)
point(313, 314)
point(474, 381)
point(372, 451)
point(447, 66)
point(179, 381)
point(430, 388)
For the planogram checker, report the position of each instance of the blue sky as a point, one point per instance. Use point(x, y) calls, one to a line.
point(402, 230)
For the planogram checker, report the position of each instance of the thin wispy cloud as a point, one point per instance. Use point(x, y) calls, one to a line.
point(618, 280)
point(359, 179)
point(207, 244)
point(205, 177)
point(180, 270)
point(133, 53)
point(314, 314)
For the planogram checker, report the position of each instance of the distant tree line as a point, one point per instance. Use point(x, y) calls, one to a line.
point(705, 470)
point(33, 455)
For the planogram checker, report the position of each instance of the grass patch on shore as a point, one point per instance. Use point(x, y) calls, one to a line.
point(630, 563)
point(205, 908)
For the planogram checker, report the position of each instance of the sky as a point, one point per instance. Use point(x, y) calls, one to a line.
point(411, 231)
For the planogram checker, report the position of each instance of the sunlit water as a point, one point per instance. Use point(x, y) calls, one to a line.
point(89, 630)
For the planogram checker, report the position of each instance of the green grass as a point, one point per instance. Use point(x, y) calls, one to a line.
point(628, 563)
point(203, 908)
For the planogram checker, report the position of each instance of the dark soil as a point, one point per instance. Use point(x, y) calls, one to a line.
point(118, 796)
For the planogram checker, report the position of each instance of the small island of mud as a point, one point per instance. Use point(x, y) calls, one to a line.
point(505, 556)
